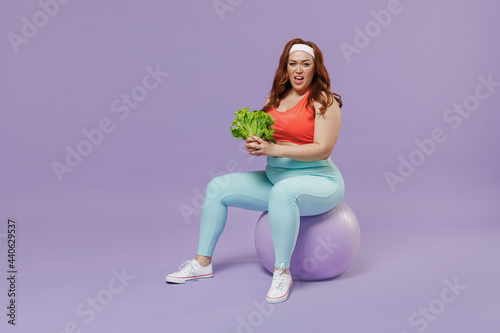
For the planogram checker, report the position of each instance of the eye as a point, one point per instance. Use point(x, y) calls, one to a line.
point(307, 64)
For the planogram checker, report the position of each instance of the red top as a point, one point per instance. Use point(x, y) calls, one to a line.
point(295, 125)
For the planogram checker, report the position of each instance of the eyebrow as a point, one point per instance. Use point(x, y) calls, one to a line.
point(297, 60)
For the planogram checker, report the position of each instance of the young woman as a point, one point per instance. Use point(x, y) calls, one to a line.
point(300, 179)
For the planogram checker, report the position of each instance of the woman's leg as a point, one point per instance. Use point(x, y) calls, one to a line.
point(248, 190)
point(294, 197)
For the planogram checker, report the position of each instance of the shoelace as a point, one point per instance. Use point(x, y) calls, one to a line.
point(279, 277)
point(189, 266)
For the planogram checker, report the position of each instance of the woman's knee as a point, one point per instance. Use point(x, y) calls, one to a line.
point(217, 185)
point(282, 193)
point(237, 182)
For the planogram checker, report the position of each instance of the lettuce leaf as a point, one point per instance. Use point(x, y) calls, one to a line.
point(255, 122)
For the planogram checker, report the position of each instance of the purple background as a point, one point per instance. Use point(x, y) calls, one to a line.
point(121, 207)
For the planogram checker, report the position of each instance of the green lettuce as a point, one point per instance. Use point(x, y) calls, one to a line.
point(255, 122)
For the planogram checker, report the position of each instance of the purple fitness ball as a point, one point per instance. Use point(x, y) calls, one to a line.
point(326, 246)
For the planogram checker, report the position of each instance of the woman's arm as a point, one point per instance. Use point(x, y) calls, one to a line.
point(326, 132)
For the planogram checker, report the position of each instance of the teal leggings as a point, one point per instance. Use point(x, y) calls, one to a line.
point(287, 189)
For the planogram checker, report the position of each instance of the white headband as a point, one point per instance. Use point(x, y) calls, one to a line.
point(302, 47)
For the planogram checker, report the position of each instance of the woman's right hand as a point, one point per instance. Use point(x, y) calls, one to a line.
point(259, 147)
point(251, 145)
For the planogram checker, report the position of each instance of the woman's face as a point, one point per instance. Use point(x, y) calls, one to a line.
point(300, 70)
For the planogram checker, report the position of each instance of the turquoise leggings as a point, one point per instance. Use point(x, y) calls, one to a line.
point(287, 189)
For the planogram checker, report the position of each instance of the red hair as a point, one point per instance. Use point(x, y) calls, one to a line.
point(320, 89)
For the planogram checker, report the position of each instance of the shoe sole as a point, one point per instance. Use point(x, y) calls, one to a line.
point(280, 299)
point(276, 300)
point(177, 280)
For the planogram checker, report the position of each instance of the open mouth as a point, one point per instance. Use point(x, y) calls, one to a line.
point(298, 79)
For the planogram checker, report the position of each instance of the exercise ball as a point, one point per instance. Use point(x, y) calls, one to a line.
point(326, 245)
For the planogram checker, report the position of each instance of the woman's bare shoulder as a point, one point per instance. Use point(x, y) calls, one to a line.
point(334, 107)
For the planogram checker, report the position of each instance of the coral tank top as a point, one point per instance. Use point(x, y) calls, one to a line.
point(295, 125)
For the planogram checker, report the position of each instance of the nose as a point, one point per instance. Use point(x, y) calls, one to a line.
point(298, 69)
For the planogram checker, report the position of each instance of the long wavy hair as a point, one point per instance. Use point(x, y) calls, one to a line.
point(320, 88)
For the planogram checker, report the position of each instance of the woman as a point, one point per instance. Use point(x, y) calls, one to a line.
point(299, 180)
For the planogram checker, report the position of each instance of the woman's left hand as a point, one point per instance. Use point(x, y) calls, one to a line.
point(258, 147)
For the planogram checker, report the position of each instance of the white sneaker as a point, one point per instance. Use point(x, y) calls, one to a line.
point(190, 270)
point(280, 288)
